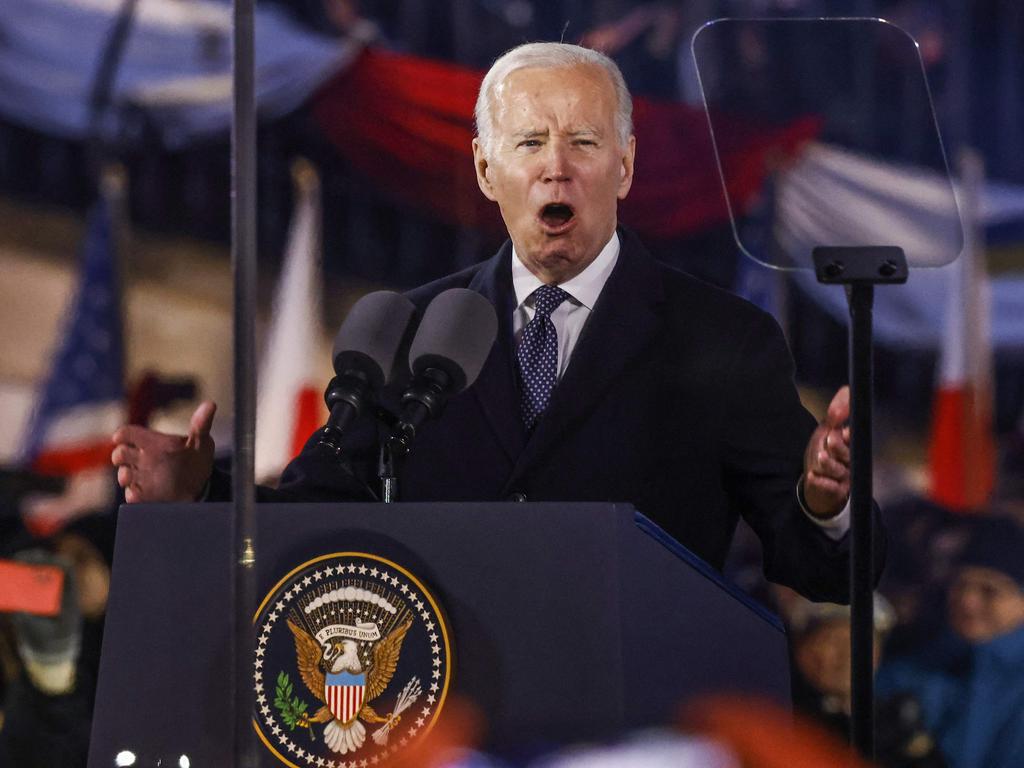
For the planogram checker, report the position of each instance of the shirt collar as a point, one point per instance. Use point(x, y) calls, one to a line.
point(584, 288)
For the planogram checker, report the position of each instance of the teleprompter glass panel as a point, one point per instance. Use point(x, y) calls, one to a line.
point(855, 154)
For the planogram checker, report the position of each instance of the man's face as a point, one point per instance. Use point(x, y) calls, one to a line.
point(823, 657)
point(556, 167)
point(984, 603)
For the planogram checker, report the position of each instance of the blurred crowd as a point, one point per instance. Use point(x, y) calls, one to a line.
point(949, 685)
point(49, 661)
point(949, 634)
point(49, 665)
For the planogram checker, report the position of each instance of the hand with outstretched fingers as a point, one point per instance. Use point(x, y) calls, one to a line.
point(155, 466)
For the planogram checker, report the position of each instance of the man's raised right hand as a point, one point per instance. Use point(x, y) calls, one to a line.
point(154, 466)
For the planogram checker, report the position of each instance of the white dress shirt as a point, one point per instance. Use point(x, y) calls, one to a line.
point(571, 315)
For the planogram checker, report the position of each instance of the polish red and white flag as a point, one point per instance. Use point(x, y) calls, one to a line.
point(290, 384)
point(961, 450)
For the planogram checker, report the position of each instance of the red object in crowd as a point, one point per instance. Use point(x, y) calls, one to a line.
point(31, 588)
point(764, 735)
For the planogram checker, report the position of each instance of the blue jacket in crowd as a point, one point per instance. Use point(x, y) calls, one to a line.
point(972, 698)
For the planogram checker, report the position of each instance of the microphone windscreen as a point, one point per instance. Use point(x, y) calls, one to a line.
point(371, 335)
point(456, 334)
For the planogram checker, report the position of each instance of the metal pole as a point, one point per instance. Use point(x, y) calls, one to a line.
point(110, 63)
point(243, 261)
point(860, 269)
point(100, 94)
point(862, 721)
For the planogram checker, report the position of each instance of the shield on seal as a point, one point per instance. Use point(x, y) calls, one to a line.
point(344, 694)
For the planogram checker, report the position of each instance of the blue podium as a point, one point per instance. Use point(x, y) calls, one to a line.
point(566, 622)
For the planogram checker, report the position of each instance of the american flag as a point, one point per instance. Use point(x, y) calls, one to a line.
point(81, 402)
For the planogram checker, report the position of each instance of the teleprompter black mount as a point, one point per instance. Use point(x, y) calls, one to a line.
point(860, 269)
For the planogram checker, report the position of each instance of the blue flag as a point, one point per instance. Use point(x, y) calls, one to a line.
point(176, 66)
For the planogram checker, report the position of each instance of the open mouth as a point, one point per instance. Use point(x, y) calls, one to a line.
point(556, 216)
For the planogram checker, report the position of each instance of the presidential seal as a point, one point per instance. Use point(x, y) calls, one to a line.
point(352, 663)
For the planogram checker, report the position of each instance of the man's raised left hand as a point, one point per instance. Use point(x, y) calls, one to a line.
point(827, 460)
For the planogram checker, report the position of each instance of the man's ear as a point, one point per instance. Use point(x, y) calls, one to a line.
point(482, 170)
point(626, 171)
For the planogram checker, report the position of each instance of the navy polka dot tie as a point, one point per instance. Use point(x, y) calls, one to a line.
point(537, 354)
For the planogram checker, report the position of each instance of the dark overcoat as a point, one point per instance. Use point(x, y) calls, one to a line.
point(679, 398)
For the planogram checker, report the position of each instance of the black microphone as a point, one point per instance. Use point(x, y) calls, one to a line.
point(451, 345)
point(364, 359)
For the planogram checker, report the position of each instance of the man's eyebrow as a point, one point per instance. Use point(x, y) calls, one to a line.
point(535, 133)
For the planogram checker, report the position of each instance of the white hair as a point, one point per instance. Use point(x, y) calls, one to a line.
point(550, 56)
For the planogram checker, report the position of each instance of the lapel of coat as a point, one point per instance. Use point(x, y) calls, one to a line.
point(495, 387)
point(624, 322)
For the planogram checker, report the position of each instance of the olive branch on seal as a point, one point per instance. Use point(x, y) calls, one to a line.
point(293, 711)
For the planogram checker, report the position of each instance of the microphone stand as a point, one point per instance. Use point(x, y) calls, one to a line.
point(423, 400)
point(387, 460)
point(387, 475)
point(860, 269)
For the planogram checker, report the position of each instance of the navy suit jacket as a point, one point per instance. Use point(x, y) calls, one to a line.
point(679, 398)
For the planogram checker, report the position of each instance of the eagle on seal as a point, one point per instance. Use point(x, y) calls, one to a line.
point(315, 662)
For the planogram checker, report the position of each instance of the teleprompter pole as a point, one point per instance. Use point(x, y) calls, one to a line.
point(860, 269)
point(243, 265)
point(862, 686)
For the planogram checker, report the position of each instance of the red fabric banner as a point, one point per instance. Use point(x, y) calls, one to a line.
point(407, 123)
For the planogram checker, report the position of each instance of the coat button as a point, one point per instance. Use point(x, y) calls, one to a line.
point(517, 497)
